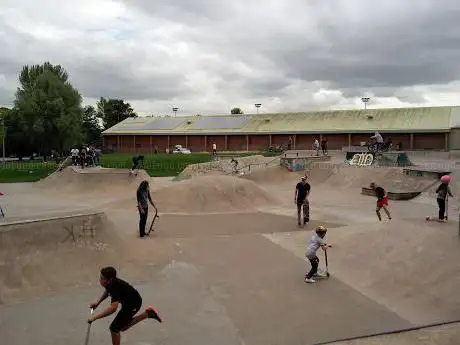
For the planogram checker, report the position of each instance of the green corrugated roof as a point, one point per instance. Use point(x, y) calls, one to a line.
point(397, 119)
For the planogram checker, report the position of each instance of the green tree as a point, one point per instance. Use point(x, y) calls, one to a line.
point(113, 111)
point(4, 114)
point(91, 127)
point(47, 111)
point(236, 111)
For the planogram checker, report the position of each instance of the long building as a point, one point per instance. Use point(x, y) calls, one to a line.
point(428, 128)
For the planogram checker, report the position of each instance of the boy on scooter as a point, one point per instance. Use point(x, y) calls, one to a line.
point(122, 293)
point(317, 240)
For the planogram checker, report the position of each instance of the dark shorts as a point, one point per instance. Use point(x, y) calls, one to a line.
point(124, 317)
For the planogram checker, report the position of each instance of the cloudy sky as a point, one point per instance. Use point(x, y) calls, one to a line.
point(206, 56)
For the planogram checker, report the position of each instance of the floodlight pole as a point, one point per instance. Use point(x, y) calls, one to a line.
point(365, 101)
point(257, 105)
point(175, 109)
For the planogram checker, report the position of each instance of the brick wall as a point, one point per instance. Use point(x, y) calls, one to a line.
point(197, 143)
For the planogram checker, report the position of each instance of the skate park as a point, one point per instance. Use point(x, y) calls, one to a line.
point(225, 263)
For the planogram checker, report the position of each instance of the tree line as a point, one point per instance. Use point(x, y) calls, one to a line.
point(48, 114)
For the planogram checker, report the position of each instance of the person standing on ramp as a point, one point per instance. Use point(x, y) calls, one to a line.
point(143, 199)
point(317, 241)
point(302, 191)
point(382, 200)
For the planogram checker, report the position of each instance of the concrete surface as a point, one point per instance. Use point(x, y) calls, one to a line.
point(234, 278)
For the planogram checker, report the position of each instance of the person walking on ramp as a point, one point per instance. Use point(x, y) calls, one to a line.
point(143, 199)
point(382, 200)
point(122, 293)
point(302, 191)
point(317, 240)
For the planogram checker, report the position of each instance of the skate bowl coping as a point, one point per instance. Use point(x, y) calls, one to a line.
point(48, 230)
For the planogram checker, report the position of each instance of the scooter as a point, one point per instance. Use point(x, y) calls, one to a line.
point(89, 328)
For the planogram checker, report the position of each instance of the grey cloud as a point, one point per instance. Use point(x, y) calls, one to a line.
point(409, 96)
point(390, 44)
point(6, 97)
point(185, 11)
point(259, 49)
point(93, 74)
point(116, 81)
point(418, 48)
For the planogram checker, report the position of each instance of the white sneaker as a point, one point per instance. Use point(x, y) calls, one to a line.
point(310, 281)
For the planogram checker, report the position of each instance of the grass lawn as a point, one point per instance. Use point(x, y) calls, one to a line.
point(159, 165)
point(25, 171)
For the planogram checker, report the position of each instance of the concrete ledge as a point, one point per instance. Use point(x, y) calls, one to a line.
point(425, 172)
point(51, 230)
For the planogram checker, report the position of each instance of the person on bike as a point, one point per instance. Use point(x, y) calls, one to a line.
point(377, 137)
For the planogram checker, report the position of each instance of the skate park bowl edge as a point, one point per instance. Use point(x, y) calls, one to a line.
point(384, 159)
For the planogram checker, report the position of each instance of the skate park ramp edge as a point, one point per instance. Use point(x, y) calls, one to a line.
point(43, 230)
point(91, 179)
point(391, 158)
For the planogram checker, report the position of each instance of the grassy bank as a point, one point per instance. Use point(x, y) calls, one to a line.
point(26, 171)
point(159, 165)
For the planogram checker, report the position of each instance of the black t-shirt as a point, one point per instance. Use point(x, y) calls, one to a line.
point(302, 190)
point(138, 159)
point(122, 292)
point(380, 193)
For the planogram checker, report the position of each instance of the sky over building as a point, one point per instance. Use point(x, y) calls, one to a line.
point(207, 56)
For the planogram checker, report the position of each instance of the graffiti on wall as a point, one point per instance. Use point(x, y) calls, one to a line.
point(362, 159)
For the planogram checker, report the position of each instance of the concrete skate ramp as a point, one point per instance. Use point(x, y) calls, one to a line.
point(212, 194)
point(41, 255)
point(410, 267)
point(91, 180)
point(191, 314)
point(349, 177)
point(274, 305)
point(224, 167)
point(400, 159)
point(439, 335)
point(339, 177)
point(392, 158)
point(273, 175)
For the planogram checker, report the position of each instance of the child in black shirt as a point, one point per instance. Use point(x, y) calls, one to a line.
point(122, 293)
